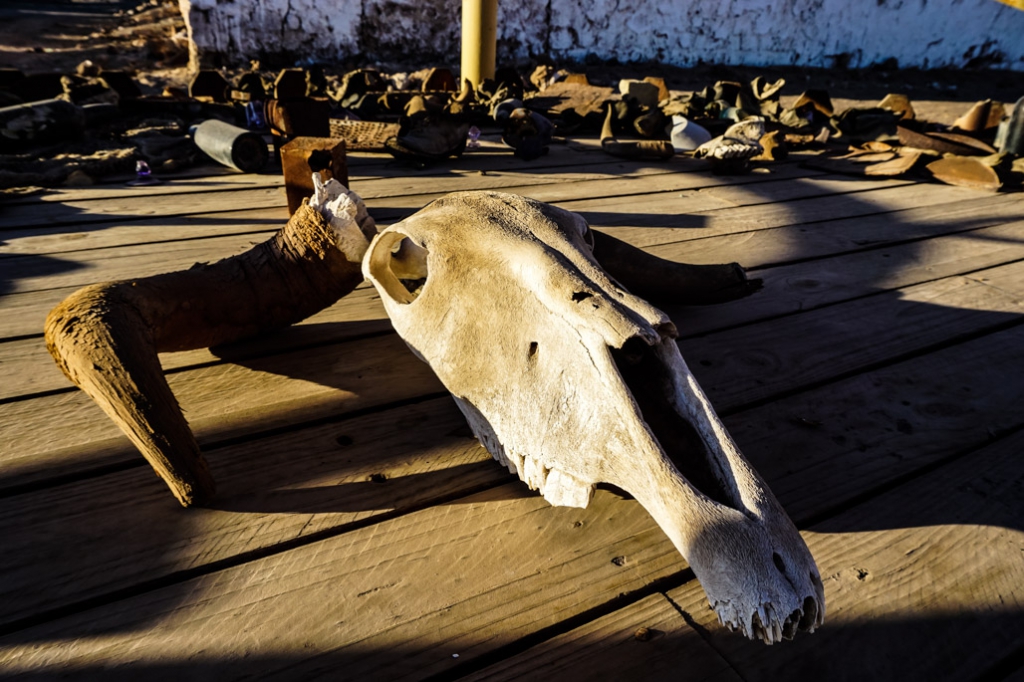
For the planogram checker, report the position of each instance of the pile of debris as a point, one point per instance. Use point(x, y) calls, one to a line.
point(72, 128)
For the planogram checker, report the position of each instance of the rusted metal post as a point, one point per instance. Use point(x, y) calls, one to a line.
point(479, 39)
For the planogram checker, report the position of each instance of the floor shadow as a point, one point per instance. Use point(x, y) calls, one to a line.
point(894, 649)
point(31, 266)
point(331, 469)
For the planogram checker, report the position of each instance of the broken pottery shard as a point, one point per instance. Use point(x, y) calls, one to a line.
point(687, 135)
point(814, 99)
point(655, 150)
point(528, 133)
point(905, 161)
point(942, 143)
point(965, 171)
point(569, 380)
point(565, 96)
point(645, 93)
point(980, 117)
point(1010, 135)
point(773, 147)
point(898, 104)
point(763, 90)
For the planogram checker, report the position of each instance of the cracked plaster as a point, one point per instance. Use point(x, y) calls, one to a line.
point(917, 33)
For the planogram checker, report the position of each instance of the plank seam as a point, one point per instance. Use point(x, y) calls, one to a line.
point(234, 359)
point(469, 667)
point(875, 366)
point(554, 181)
point(829, 304)
point(703, 633)
point(906, 478)
point(185, 575)
point(868, 247)
point(823, 220)
point(212, 446)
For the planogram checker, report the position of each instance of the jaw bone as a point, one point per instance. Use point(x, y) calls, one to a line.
point(569, 381)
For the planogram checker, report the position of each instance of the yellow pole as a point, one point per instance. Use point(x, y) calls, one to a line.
point(479, 39)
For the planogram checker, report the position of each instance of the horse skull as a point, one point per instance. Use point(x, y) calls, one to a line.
point(569, 380)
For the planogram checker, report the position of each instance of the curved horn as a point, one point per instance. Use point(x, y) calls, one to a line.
point(666, 281)
point(106, 337)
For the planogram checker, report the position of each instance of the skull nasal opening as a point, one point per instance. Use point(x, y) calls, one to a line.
point(650, 383)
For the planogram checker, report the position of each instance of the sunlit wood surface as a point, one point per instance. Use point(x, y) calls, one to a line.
point(361, 533)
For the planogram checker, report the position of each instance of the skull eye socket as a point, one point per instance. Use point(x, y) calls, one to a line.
point(398, 265)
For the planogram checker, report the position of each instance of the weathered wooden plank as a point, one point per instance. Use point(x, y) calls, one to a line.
point(395, 600)
point(788, 290)
point(55, 215)
point(761, 360)
point(23, 314)
point(924, 582)
point(27, 367)
point(802, 286)
point(142, 202)
point(763, 248)
point(229, 219)
point(33, 272)
point(867, 429)
point(836, 441)
point(662, 222)
point(276, 490)
point(221, 401)
point(609, 649)
point(872, 329)
point(201, 178)
point(392, 591)
point(725, 363)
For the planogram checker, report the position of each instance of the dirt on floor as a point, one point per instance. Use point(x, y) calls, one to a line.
point(147, 40)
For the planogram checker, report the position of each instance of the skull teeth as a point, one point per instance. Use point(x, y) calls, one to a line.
point(764, 624)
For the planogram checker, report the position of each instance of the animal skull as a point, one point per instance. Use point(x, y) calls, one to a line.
point(569, 380)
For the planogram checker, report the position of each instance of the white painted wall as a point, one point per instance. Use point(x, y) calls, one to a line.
point(917, 33)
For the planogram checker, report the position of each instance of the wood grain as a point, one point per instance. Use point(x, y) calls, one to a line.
point(23, 314)
point(609, 648)
point(924, 582)
point(223, 213)
point(527, 565)
point(221, 401)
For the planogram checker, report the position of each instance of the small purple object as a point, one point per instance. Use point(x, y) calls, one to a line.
point(254, 116)
point(143, 175)
point(473, 138)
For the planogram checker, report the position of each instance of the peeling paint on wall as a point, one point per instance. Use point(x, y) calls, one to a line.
point(916, 33)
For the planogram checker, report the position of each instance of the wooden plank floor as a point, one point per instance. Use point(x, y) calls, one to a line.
point(360, 532)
